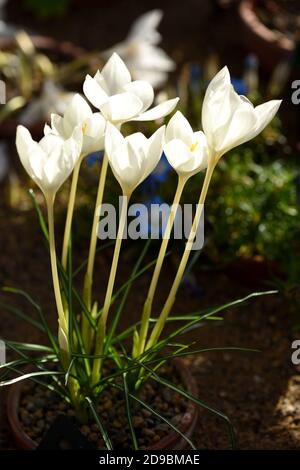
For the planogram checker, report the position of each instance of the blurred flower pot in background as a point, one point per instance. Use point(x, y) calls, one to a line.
point(270, 46)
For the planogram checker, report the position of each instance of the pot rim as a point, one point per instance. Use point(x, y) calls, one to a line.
point(253, 22)
point(172, 441)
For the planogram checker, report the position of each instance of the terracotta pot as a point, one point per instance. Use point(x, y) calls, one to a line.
point(269, 46)
point(172, 441)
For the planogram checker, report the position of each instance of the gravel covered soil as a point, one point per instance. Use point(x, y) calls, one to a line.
point(40, 407)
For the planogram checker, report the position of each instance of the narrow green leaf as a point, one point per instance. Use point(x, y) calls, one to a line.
point(28, 376)
point(201, 403)
point(23, 316)
point(100, 425)
point(41, 219)
point(128, 412)
point(162, 418)
point(44, 323)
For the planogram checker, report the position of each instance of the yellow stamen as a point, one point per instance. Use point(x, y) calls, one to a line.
point(84, 126)
point(193, 146)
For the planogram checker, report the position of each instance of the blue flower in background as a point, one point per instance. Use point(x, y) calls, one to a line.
point(251, 62)
point(240, 86)
point(161, 172)
point(159, 175)
point(195, 77)
point(153, 226)
point(93, 158)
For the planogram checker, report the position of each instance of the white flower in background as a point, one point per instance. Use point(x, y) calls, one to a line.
point(53, 99)
point(186, 151)
point(119, 99)
point(79, 113)
point(229, 119)
point(132, 158)
point(50, 161)
point(139, 50)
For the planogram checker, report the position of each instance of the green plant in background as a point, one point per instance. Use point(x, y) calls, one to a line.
point(254, 210)
point(47, 8)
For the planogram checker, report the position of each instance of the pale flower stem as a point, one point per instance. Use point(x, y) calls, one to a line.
point(156, 332)
point(162, 253)
point(70, 213)
point(100, 336)
point(57, 293)
point(88, 279)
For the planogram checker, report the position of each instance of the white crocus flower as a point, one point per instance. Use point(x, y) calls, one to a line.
point(229, 119)
point(79, 113)
point(119, 99)
point(50, 161)
point(186, 151)
point(145, 60)
point(132, 158)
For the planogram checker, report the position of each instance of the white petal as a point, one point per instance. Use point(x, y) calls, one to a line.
point(143, 90)
point(177, 152)
point(93, 138)
point(72, 147)
point(137, 140)
point(240, 128)
point(51, 144)
point(155, 148)
point(101, 81)
point(93, 91)
point(121, 107)
point(133, 170)
point(265, 113)
point(158, 111)
point(184, 160)
point(27, 148)
point(216, 110)
point(116, 74)
point(53, 175)
point(220, 79)
point(47, 129)
point(57, 125)
point(77, 112)
point(113, 139)
point(179, 128)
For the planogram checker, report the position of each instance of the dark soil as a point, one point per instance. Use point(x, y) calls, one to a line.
point(40, 407)
point(259, 391)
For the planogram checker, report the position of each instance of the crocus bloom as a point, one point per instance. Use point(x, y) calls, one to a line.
point(79, 113)
point(120, 99)
point(228, 119)
point(140, 51)
point(186, 151)
point(50, 161)
point(134, 157)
